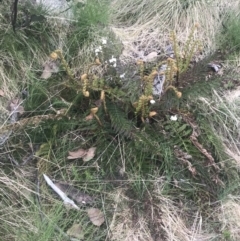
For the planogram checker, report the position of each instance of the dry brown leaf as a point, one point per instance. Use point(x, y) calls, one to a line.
point(152, 113)
point(151, 56)
point(89, 117)
point(87, 155)
point(1, 93)
point(75, 231)
point(49, 68)
point(90, 154)
point(76, 154)
point(96, 216)
point(14, 106)
point(94, 110)
point(47, 73)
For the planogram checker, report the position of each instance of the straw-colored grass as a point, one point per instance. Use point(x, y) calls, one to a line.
point(139, 201)
point(144, 26)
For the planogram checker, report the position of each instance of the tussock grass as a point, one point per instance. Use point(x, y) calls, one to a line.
point(228, 39)
point(161, 219)
point(229, 217)
point(144, 191)
point(144, 26)
point(223, 114)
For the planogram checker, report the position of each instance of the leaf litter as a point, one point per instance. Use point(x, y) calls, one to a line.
point(96, 216)
point(50, 66)
point(86, 155)
point(64, 190)
point(75, 231)
point(15, 106)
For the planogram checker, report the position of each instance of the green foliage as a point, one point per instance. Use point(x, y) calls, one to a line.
point(201, 88)
point(128, 18)
point(88, 18)
point(40, 35)
point(227, 235)
point(129, 148)
point(230, 37)
point(144, 148)
point(119, 120)
point(210, 139)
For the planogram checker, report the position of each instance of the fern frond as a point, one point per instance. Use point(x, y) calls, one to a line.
point(119, 120)
point(146, 141)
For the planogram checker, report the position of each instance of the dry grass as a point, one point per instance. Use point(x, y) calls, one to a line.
point(224, 109)
point(229, 216)
point(122, 226)
point(144, 26)
point(162, 219)
point(16, 193)
point(233, 64)
point(157, 217)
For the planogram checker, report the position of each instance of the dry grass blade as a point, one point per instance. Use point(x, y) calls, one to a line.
point(162, 219)
point(143, 30)
point(229, 216)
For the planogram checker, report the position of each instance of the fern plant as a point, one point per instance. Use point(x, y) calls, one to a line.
point(119, 119)
point(183, 58)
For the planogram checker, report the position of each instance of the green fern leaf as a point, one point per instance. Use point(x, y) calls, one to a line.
point(119, 120)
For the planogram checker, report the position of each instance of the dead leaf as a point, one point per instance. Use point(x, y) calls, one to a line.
point(76, 154)
point(86, 155)
point(151, 56)
point(47, 73)
point(96, 216)
point(15, 106)
point(75, 231)
point(94, 110)
point(90, 154)
point(1, 93)
point(49, 68)
point(89, 117)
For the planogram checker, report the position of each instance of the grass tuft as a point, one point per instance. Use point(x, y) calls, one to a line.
point(170, 176)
